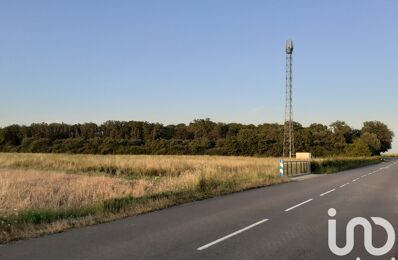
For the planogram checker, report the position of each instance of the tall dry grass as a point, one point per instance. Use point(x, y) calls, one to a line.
point(41, 181)
point(33, 189)
point(136, 165)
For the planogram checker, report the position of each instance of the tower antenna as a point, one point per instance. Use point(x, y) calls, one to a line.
point(288, 135)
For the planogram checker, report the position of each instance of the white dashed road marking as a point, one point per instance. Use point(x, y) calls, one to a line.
point(323, 194)
point(345, 184)
point(298, 205)
point(232, 234)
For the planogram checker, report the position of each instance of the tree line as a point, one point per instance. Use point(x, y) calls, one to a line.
point(202, 136)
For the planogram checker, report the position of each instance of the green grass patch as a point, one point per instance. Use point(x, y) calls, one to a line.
point(336, 165)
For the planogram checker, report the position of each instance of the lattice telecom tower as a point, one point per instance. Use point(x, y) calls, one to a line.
point(288, 135)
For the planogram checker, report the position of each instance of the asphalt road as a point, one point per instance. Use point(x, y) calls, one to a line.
point(287, 221)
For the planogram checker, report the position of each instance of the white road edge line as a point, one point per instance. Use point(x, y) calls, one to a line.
point(355, 179)
point(345, 184)
point(232, 234)
point(329, 191)
point(298, 205)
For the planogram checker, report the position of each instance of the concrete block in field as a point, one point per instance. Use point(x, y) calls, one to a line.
point(303, 156)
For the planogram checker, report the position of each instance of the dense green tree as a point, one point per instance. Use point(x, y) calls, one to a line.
point(248, 141)
point(231, 146)
point(137, 130)
point(270, 138)
point(320, 140)
point(39, 130)
point(382, 132)
point(343, 135)
point(233, 129)
point(341, 129)
point(200, 145)
point(11, 135)
point(88, 130)
point(181, 131)
point(373, 142)
point(202, 136)
point(219, 131)
point(202, 127)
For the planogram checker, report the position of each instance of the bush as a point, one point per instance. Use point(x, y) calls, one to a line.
point(207, 184)
point(42, 145)
point(336, 165)
point(358, 149)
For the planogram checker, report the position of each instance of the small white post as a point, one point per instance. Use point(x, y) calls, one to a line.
point(281, 168)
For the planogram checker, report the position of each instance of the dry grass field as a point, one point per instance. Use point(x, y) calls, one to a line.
point(137, 166)
point(33, 189)
point(44, 193)
point(38, 181)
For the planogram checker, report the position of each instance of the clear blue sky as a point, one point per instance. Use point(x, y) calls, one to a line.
point(174, 61)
